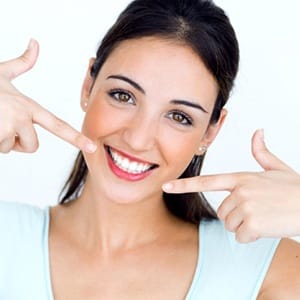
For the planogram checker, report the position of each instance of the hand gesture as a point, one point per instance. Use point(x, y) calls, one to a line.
point(260, 204)
point(18, 113)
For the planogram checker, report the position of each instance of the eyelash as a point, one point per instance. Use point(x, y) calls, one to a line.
point(115, 94)
point(188, 121)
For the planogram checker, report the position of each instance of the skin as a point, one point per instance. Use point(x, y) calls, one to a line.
point(151, 112)
point(127, 221)
point(21, 112)
point(257, 205)
point(116, 229)
point(263, 204)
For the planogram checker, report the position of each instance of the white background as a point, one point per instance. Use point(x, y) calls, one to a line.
point(266, 93)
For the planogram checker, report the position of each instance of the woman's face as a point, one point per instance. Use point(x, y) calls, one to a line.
point(149, 112)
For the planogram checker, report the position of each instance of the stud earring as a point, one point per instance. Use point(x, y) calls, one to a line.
point(85, 104)
point(202, 149)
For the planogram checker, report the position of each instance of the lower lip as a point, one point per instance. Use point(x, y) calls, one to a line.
point(123, 174)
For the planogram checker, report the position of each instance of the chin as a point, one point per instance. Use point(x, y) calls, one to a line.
point(131, 195)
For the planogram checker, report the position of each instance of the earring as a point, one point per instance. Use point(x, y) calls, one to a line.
point(202, 149)
point(85, 104)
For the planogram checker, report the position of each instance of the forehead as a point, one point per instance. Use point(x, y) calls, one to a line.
point(162, 67)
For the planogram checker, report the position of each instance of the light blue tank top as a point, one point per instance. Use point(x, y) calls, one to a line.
point(226, 270)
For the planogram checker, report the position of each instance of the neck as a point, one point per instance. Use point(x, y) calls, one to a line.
point(101, 223)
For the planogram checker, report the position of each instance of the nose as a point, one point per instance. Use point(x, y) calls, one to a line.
point(141, 132)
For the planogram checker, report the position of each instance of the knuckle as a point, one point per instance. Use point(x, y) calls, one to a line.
point(27, 101)
point(244, 237)
point(247, 209)
point(248, 176)
point(17, 110)
point(241, 237)
point(241, 192)
point(33, 147)
point(251, 227)
point(6, 132)
point(22, 119)
point(249, 230)
point(4, 150)
point(245, 177)
point(6, 146)
point(230, 224)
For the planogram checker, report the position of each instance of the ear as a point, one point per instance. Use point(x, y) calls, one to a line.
point(211, 133)
point(87, 86)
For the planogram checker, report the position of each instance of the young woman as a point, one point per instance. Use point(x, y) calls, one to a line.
point(153, 99)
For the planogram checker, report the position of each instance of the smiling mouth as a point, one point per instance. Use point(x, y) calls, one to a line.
point(129, 165)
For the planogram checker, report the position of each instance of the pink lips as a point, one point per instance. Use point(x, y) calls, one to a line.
point(123, 174)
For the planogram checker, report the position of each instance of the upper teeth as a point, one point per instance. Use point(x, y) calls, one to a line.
point(129, 166)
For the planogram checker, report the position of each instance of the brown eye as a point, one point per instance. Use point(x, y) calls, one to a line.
point(180, 118)
point(122, 96)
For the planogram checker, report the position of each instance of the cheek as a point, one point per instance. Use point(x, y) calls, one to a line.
point(99, 120)
point(180, 149)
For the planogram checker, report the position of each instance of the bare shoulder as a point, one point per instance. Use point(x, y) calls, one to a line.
point(283, 278)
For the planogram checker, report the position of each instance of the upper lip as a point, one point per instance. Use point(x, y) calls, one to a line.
point(130, 157)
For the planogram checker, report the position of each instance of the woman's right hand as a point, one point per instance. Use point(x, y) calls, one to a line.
point(19, 113)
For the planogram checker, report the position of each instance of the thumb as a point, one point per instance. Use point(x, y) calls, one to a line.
point(266, 159)
point(12, 68)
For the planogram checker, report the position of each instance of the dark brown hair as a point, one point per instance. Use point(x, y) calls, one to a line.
point(205, 28)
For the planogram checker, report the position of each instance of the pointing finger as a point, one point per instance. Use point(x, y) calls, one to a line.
point(220, 182)
point(61, 129)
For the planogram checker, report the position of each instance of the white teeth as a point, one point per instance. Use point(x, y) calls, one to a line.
point(132, 167)
point(125, 163)
point(129, 166)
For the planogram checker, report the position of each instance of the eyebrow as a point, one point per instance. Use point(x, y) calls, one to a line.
point(128, 80)
point(138, 87)
point(188, 103)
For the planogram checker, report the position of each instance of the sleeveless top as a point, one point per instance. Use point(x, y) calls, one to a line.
point(225, 270)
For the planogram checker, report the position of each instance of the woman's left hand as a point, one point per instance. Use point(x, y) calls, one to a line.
point(260, 204)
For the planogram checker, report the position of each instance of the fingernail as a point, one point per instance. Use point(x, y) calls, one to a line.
point(91, 148)
point(167, 186)
point(30, 44)
point(262, 134)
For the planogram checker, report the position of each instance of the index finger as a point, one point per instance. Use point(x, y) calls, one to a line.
point(61, 129)
point(207, 183)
